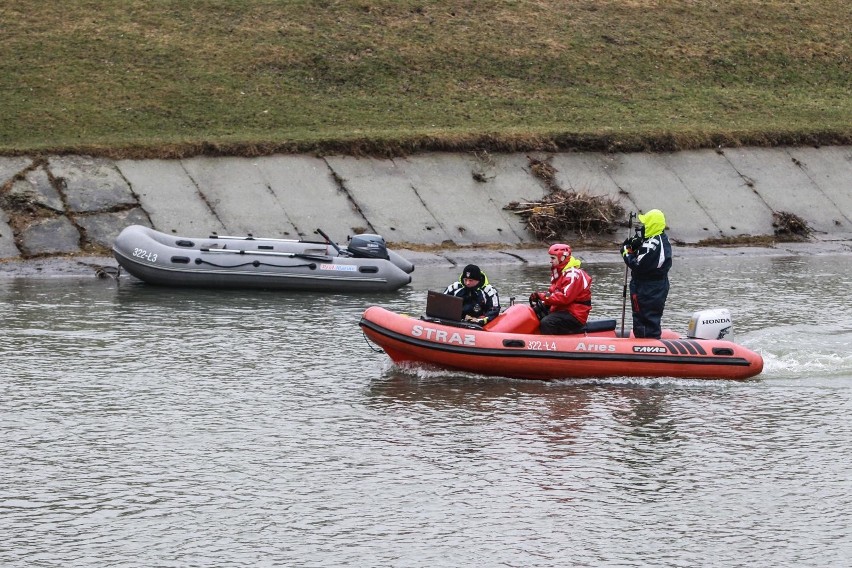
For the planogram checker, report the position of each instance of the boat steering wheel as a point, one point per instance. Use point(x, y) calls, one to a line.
point(538, 307)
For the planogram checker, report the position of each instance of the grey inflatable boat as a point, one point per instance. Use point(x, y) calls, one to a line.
point(363, 265)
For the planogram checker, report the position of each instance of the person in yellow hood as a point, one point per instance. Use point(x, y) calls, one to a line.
point(649, 256)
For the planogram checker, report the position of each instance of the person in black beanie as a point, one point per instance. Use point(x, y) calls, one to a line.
point(481, 301)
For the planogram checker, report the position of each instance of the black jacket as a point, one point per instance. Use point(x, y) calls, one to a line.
point(479, 302)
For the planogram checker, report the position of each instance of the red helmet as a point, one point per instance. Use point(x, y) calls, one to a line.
point(560, 251)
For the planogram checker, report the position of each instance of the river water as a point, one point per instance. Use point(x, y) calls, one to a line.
point(144, 426)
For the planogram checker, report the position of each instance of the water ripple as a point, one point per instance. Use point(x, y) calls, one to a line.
point(156, 427)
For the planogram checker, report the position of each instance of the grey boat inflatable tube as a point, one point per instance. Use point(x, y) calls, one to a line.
point(363, 265)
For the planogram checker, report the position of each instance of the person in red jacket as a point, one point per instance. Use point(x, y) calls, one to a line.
point(569, 299)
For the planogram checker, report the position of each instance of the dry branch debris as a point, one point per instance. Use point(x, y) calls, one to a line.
point(544, 170)
point(562, 211)
point(789, 225)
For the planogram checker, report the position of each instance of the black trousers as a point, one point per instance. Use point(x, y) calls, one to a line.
point(560, 323)
point(647, 299)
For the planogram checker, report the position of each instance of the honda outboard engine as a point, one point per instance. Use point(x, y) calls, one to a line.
point(711, 324)
point(368, 246)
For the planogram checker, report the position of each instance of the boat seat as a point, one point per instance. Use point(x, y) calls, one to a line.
point(599, 325)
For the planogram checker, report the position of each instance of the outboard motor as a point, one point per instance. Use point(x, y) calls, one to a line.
point(368, 246)
point(711, 324)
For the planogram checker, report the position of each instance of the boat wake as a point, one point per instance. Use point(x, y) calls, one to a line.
point(802, 351)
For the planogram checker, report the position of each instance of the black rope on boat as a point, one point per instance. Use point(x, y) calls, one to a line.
point(367, 340)
point(256, 263)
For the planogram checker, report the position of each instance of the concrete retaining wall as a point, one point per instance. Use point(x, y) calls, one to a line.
point(62, 204)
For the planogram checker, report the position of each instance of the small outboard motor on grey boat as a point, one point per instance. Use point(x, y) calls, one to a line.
point(368, 246)
point(372, 246)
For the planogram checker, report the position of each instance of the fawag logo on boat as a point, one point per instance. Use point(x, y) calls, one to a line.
point(441, 336)
point(649, 349)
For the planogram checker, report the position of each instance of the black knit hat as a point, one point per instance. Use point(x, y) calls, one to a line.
point(473, 272)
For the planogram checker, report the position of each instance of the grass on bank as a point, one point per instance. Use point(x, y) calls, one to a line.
point(168, 78)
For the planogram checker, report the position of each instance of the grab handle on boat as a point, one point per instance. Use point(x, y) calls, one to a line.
point(309, 256)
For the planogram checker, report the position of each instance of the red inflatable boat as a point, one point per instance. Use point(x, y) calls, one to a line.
point(510, 346)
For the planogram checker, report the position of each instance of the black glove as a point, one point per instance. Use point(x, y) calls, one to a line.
point(635, 244)
point(626, 243)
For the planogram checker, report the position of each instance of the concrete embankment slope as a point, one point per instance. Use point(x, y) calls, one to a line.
point(61, 204)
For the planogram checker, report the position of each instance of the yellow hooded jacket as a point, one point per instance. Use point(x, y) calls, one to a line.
point(654, 221)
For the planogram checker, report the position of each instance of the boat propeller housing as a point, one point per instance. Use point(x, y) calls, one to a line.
point(368, 246)
point(711, 324)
